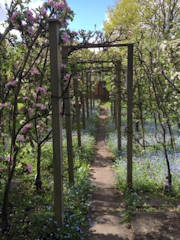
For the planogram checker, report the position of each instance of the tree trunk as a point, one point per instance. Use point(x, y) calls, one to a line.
point(38, 181)
point(5, 223)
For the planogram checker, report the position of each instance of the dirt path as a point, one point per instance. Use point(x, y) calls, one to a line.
point(107, 204)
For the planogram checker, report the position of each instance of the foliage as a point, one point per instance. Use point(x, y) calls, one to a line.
point(31, 212)
point(123, 16)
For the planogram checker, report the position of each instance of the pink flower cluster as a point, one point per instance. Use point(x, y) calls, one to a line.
point(13, 17)
point(2, 105)
point(74, 33)
point(30, 17)
point(26, 128)
point(44, 12)
point(63, 65)
point(67, 76)
point(65, 37)
point(34, 71)
point(41, 106)
point(12, 84)
point(8, 158)
point(60, 6)
point(21, 138)
point(22, 109)
point(28, 167)
point(31, 30)
point(41, 90)
point(30, 112)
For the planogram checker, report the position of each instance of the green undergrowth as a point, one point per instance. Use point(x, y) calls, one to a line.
point(31, 212)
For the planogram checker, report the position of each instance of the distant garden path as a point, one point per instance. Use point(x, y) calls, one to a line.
point(107, 204)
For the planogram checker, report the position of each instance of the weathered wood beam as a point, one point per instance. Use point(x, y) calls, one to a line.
point(56, 86)
point(130, 117)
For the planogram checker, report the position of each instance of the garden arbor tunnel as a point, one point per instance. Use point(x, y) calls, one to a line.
point(58, 55)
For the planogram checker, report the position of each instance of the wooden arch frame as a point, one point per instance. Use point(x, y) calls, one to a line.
point(55, 64)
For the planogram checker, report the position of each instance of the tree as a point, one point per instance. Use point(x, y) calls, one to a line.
point(25, 79)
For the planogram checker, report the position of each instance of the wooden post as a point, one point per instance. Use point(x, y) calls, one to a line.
point(112, 114)
point(118, 102)
point(129, 116)
point(90, 93)
point(87, 95)
point(83, 103)
point(115, 112)
point(78, 124)
point(55, 60)
point(68, 123)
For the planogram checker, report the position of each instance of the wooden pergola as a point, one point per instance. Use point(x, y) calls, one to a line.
point(58, 55)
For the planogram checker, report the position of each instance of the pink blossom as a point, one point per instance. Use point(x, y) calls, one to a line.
point(3, 134)
point(41, 106)
point(34, 71)
point(67, 76)
point(28, 167)
point(2, 105)
point(30, 30)
point(22, 109)
point(59, 6)
point(14, 15)
point(74, 33)
point(67, 6)
point(37, 16)
point(44, 12)
point(41, 130)
point(41, 90)
point(25, 129)
point(63, 65)
point(65, 37)
point(30, 17)
point(8, 158)
point(1, 169)
point(24, 24)
point(21, 138)
point(64, 24)
point(50, 2)
point(11, 84)
point(30, 112)
point(35, 95)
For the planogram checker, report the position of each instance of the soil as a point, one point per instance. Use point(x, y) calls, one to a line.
point(154, 219)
